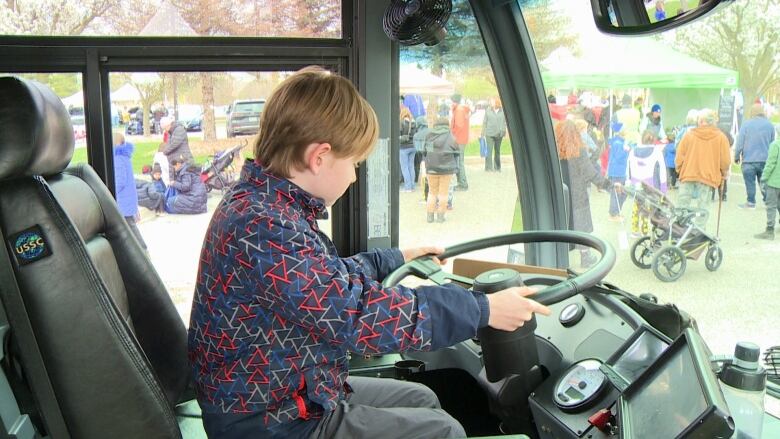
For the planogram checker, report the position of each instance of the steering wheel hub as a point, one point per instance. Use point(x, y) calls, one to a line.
point(496, 280)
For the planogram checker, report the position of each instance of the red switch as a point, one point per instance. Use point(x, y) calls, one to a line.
point(600, 419)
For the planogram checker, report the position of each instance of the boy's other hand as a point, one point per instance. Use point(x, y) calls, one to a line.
point(414, 253)
point(510, 309)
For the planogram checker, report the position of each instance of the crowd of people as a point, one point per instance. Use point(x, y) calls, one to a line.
point(432, 148)
point(173, 186)
point(627, 147)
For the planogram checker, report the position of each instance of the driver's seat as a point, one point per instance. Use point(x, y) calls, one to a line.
point(112, 344)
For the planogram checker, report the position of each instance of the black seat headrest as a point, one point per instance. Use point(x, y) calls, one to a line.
point(36, 136)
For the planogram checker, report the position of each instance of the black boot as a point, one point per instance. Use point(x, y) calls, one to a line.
point(439, 217)
point(769, 234)
point(430, 217)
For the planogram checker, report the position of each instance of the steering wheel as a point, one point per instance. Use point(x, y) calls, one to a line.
point(425, 268)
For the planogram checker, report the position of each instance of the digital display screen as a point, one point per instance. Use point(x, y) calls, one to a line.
point(639, 356)
point(670, 400)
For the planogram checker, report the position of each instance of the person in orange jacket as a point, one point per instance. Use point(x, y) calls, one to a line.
point(459, 124)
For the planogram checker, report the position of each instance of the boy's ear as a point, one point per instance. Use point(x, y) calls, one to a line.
point(315, 156)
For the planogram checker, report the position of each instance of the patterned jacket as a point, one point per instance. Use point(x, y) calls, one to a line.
point(276, 309)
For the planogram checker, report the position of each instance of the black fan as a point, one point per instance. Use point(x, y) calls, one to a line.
point(411, 22)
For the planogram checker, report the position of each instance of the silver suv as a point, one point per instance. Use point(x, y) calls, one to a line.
point(243, 117)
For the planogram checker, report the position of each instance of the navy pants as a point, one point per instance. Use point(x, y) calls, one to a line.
point(751, 172)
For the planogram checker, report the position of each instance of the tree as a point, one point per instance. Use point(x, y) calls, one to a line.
point(550, 29)
point(464, 50)
point(150, 88)
point(62, 84)
point(461, 49)
point(209, 124)
point(51, 17)
point(741, 37)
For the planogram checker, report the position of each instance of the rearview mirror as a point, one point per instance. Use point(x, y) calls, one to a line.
point(638, 17)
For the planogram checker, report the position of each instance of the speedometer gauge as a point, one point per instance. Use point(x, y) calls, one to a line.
point(580, 385)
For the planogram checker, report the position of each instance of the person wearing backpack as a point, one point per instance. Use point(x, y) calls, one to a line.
point(406, 148)
point(441, 163)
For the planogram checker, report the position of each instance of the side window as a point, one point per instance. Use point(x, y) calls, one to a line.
point(457, 170)
point(209, 121)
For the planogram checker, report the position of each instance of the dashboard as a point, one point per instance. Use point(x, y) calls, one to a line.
point(605, 373)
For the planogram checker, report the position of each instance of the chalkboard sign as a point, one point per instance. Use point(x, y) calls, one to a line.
point(726, 113)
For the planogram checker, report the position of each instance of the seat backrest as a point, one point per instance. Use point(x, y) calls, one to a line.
point(112, 342)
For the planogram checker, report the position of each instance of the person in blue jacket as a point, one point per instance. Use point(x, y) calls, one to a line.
point(124, 184)
point(617, 170)
point(276, 310)
point(189, 194)
point(752, 149)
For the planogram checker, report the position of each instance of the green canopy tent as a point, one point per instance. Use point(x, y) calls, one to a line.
point(634, 63)
point(631, 63)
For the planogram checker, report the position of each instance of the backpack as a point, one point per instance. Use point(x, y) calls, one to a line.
point(407, 129)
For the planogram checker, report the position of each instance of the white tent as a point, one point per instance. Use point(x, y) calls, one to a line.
point(125, 94)
point(74, 100)
point(416, 81)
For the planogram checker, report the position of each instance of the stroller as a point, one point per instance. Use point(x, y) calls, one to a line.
point(671, 236)
point(219, 172)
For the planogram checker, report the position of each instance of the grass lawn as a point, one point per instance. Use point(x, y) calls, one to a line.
point(143, 154)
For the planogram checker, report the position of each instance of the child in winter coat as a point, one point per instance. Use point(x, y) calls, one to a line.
point(616, 169)
point(124, 183)
point(151, 194)
point(441, 163)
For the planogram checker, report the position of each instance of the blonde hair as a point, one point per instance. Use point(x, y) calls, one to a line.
point(118, 138)
point(707, 116)
point(314, 106)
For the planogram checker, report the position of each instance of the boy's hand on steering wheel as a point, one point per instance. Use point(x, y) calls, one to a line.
point(414, 253)
point(510, 309)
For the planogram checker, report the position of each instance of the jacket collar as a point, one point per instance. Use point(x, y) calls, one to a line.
point(265, 182)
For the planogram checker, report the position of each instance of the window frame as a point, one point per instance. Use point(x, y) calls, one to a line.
point(96, 57)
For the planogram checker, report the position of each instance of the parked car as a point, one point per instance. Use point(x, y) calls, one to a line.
point(136, 124)
point(191, 117)
point(243, 117)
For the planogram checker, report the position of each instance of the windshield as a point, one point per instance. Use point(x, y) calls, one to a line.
point(631, 102)
point(592, 82)
point(249, 107)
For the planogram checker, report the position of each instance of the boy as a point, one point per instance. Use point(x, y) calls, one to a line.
point(441, 163)
point(617, 169)
point(151, 194)
point(276, 310)
point(770, 179)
